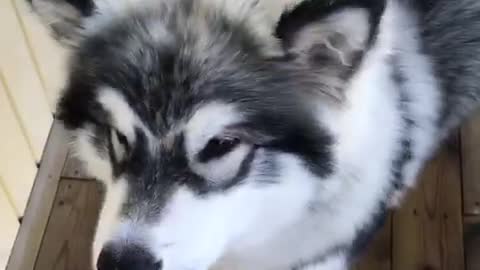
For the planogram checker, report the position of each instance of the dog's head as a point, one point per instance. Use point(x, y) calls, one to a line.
point(202, 118)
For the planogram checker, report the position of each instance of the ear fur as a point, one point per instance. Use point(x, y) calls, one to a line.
point(64, 17)
point(330, 37)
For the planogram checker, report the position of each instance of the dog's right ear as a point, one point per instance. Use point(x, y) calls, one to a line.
point(64, 17)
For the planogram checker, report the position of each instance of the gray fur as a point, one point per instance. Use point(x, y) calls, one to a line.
point(451, 37)
point(170, 58)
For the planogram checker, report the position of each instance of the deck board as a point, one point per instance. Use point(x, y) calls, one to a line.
point(378, 256)
point(472, 242)
point(28, 241)
point(471, 166)
point(71, 227)
point(73, 168)
point(427, 230)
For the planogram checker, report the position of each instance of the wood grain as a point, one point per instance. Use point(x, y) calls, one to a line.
point(472, 242)
point(471, 166)
point(427, 230)
point(29, 238)
point(378, 255)
point(70, 231)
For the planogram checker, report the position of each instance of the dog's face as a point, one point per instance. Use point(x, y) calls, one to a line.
point(205, 129)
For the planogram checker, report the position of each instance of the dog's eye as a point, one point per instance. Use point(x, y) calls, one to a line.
point(122, 139)
point(119, 144)
point(217, 147)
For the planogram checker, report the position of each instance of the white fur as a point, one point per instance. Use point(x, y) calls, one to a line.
point(223, 168)
point(107, 228)
point(422, 87)
point(207, 122)
point(239, 220)
point(95, 165)
point(118, 148)
point(334, 263)
point(200, 129)
point(123, 117)
point(274, 226)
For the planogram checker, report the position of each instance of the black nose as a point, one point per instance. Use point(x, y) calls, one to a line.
point(131, 258)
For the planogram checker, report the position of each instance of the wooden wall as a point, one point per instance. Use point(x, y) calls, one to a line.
point(31, 74)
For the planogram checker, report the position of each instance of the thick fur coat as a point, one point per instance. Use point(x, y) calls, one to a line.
point(231, 138)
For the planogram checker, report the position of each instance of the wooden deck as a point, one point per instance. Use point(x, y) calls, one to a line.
point(438, 227)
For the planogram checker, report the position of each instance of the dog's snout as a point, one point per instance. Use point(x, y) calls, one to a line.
point(131, 258)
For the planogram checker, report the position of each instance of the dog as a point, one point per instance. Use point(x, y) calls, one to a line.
point(228, 138)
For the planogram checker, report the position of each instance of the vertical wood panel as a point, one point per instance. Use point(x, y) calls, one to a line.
point(471, 166)
point(472, 243)
point(49, 57)
point(30, 234)
point(379, 253)
point(69, 234)
point(427, 230)
point(17, 166)
point(21, 81)
point(8, 227)
point(74, 169)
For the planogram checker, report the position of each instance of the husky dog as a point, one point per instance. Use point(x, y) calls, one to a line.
point(227, 138)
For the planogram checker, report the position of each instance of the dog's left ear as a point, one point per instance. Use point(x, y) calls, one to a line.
point(317, 30)
point(64, 17)
point(329, 37)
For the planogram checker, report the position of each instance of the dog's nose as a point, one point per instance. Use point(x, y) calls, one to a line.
point(132, 258)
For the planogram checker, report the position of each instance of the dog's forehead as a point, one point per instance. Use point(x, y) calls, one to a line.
point(162, 82)
point(163, 78)
point(203, 121)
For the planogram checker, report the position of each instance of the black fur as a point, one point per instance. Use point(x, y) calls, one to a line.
point(405, 154)
point(163, 86)
point(335, 251)
point(166, 79)
point(365, 234)
point(85, 7)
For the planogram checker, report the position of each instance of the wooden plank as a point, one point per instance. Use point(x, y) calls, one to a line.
point(74, 169)
point(49, 57)
point(378, 256)
point(472, 242)
point(69, 234)
point(27, 243)
point(17, 166)
point(427, 230)
point(9, 227)
point(471, 166)
point(22, 83)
